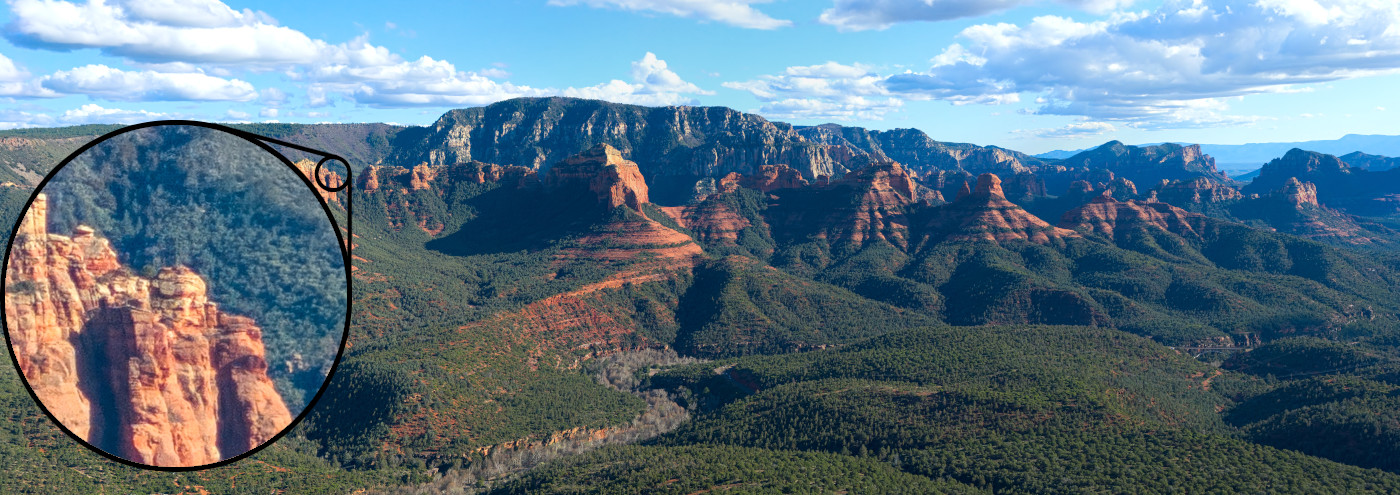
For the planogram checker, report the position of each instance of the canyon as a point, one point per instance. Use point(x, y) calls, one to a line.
point(146, 368)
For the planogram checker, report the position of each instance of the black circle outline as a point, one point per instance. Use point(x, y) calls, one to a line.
point(260, 141)
point(323, 185)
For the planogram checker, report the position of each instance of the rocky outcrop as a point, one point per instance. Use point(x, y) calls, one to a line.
point(328, 178)
point(1197, 192)
point(601, 169)
point(147, 369)
point(774, 177)
point(396, 190)
point(602, 172)
point(1299, 195)
point(1149, 164)
point(861, 206)
point(1295, 209)
point(1303, 165)
point(440, 179)
point(711, 222)
point(1352, 190)
point(885, 191)
point(666, 141)
point(920, 153)
point(983, 213)
point(1108, 217)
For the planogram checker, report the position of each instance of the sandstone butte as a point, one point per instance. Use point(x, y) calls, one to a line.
point(617, 182)
point(146, 369)
point(984, 213)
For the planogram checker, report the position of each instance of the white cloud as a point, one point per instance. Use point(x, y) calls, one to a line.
point(316, 96)
point(374, 77)
point(9, 72)
point(848, 109)
point(272, 96)
point(116, 84)
point(739, 13)
point(494, 73)
point(860, 15)
point(193, 50)
point(1076, 130)
point(15, 81)
point(236, 115)
point(828, 91)
point(205, 31)
point(1175, 67)
point(94, 114)
point(270, 113)
point(211, 35)
point(653, 84)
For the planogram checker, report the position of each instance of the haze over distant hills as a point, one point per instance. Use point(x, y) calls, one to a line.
point(1251, 156)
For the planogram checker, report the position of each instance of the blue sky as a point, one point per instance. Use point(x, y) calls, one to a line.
point(1031, 75)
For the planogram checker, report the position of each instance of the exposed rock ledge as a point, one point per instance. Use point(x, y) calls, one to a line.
point(146, 369)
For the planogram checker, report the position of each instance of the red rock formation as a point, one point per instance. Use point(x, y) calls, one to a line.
point(147, 369)
point(964, 192)
point(421, 177)
point(1025, 185)
point(1294, 208)
point(396, 185)
point(327, 177)
point(1197, 191)
point(885, 189)
point(731, 182)
point(773, 177)
point(370, 181)
point(615, 180)
point(1107, 216)
point(1299, 194)
point(711, 222)
point(984, 213)
point(425, 177)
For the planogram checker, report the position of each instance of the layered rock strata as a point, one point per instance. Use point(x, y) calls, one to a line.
point(148, 369)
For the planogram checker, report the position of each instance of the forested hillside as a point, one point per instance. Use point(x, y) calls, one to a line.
point(554, 317)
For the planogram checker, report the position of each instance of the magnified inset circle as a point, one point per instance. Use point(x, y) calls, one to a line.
point(175, 295)
point(331, 169)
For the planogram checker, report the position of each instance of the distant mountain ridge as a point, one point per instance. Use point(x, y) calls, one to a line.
point(1253, 155)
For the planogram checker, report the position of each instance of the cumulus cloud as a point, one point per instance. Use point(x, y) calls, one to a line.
point(190, 50)
point(188, 37)
point(373, 76)
point(10, 72)
point(1075, 130)
point(827, 91)
point(739, 13)
point(115, 84)
point(1176, 67)
point(860, 15)
point(205, 31)
point(653, 83)
point(15, 81)
point(272, 96)
point(87, 114)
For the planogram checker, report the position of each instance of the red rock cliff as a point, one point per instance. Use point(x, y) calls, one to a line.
point(984, 213)
point(147, 369)
point(616, 180)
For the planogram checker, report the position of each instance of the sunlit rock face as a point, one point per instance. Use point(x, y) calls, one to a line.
point(148, 369)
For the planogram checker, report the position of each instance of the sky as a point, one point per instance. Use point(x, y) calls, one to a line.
point(1030, 75)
